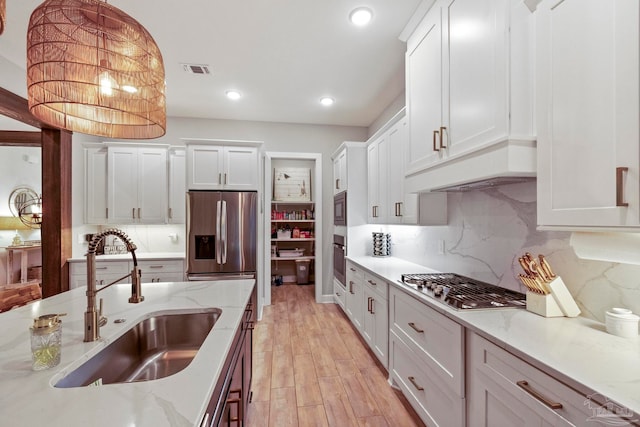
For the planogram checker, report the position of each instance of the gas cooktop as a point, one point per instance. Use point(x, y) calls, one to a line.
point(463, 293)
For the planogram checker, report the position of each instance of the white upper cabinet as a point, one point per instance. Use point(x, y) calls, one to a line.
point(218, 167)
point(588, 114)
point(340, 172)
point(388, 202)
point(177, 186)
point(469, 91)
point(137, 187)
point(377, 180)
point(95, 191)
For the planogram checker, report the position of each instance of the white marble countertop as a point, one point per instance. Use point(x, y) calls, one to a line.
point(28, 398)
point(141, 256)
point(577, 351)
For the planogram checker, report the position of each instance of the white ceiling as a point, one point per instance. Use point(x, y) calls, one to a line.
point(282, 55)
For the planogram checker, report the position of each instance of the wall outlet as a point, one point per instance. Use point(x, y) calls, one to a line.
point(81, 239)
point(441, 247)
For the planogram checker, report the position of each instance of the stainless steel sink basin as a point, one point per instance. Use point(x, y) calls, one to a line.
point(154, 348)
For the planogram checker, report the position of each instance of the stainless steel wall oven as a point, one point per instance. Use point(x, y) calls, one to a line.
point(339, 261)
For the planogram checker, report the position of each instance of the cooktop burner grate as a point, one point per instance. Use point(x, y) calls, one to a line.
point(465, 293)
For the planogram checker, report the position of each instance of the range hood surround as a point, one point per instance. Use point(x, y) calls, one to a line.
point(501, 163)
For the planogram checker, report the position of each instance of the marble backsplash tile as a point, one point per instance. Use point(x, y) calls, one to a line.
point(487, 232)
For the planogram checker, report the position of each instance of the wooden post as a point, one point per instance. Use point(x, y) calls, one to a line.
point(56, 210)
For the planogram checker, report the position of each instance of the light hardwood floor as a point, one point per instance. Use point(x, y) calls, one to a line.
point(311, 368)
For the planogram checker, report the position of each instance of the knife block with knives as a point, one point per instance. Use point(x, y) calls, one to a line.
point(547, 294)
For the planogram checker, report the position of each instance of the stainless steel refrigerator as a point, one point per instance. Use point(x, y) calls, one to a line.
point(221, 234)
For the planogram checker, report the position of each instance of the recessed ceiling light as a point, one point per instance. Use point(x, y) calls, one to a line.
point(233, 94)
point(326, 101)
point(360, 16)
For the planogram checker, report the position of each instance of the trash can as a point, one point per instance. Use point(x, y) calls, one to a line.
point(302, 271)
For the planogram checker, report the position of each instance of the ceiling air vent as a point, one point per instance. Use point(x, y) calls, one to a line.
point(196, 69)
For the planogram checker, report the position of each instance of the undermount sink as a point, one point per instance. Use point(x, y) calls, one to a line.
point(154, 348)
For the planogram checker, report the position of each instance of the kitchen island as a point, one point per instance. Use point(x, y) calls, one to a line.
point(29, 398)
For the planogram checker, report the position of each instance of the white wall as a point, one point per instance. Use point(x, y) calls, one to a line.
point(277, 137)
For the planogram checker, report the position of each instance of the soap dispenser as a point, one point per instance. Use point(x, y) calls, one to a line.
point(46, 341)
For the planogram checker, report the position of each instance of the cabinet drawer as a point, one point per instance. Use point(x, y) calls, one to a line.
point(423, 388)
point(161, 266)
point(354, 272)
point(493, 370)
point(339, 294)
point(102, 268)
point(377, 285)
point(161, 277)
point(436, 339)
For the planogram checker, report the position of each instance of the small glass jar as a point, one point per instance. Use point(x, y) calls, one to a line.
point(46, 341)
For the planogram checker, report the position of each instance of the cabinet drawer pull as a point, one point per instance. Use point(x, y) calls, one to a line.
point(413, 381)
point(443, 129)
point(170, 213)
point(156, 266)
point(337, 184)
point(415, 328)
point(620, 186)
point(352, 269)
point(369, 304)
point(435, 140)
point(338, 294)
point(372, 310)
point(219, 178)
point(139, 210)
point(225, 178)
point(351, 287)
point(372, 282)
point(101, 268)
point(526, 387)
point(133, 213)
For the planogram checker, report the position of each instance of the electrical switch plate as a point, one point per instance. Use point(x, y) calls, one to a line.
point(441, 247)
point(81, 238)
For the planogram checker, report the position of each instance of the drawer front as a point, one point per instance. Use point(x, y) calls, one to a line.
point(377, 285)
point(102, 268)
point(438, 340)
point(429, 396)
point(354, 272)
point(500, 370)
point(150, 277)
point(79, 280)
point(161, 266)
point(339, 294)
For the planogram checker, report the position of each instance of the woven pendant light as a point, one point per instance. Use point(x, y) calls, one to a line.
point(3, 14)
point(92, 68)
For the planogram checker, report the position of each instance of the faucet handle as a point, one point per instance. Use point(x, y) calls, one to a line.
point(136, 288)
point(101, 319)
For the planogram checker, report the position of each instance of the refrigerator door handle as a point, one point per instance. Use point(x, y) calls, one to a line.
point(218, 239)
point(223, 226)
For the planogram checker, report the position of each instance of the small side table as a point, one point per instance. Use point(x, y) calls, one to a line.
point(23, 251)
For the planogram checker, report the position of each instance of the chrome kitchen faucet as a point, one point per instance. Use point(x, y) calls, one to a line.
point(93, 318)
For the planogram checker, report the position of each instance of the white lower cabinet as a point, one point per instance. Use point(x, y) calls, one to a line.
point(429, 396)
point(375, 328)
point(426, 359)
point(339, 294)
point(504, 391)
point(107, 271)
point(354, 305)
point(366, 304)
point(161, 271)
